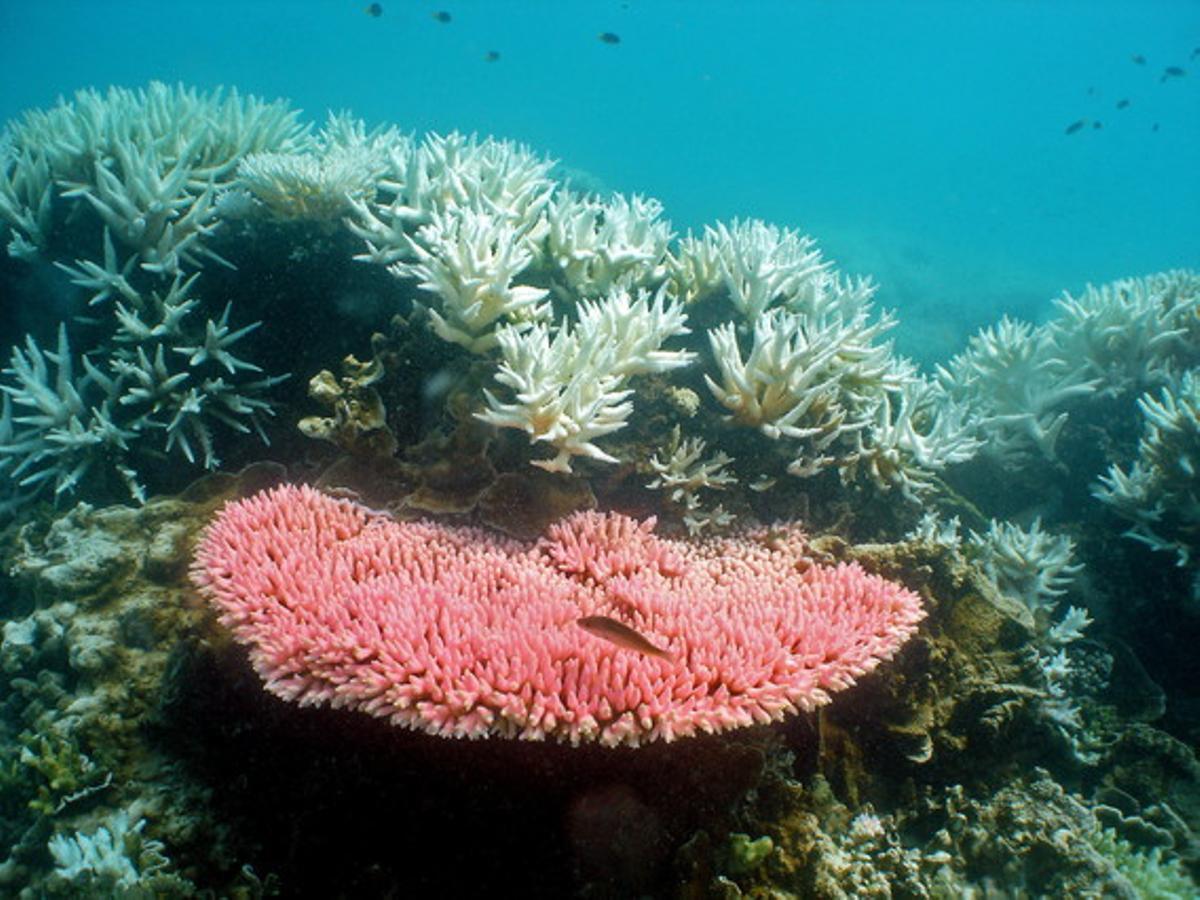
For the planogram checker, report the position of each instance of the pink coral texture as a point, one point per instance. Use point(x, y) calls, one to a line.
point(458, 632)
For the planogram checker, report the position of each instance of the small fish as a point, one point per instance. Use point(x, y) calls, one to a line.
point(762, 483)
point(1195, 53)
point(621, 635)
point(492, 56)
point(608, 37)
point(375, 10)
point(1091, 91)
point(1097, 125)
point(1139, 59)
point(1122, 103)
point(442, 16)
point(1075, 126)
point(1154, 127)
point(1172, 72)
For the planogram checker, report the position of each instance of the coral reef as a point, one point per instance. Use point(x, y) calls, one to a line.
point(537, 352)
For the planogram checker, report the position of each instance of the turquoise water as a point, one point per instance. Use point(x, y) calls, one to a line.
point(921, 143)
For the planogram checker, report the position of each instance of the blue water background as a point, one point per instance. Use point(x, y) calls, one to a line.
point(922, 143)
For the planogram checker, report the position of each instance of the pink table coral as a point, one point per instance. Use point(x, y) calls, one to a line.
point(459, 632)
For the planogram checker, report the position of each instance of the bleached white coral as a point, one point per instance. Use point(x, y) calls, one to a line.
point(107, 279)
point(932, 529)
point(1031, 566)
point(148, 162)
point(685, 473)
point(60, 427)
point(1016, 385)
point(786, 374)
point(1131, 334)
point(323, 182)
point(569, 382)
point(759, 265)
point(114, 860)
point(594, 246)
point(815, 384)
point(1160, 491)
point(148, 203)
point(450, 172)
point(469, 259)
point(26, 195)
point(915, 432)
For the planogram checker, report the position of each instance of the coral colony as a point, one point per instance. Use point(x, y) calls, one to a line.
point(459, 633)
point(587, 355)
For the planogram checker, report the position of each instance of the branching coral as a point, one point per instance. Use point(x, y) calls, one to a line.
point(815, 385)
point(593, 246)
point(758, 265)
point(450, 172)
point(1131, 334)
point(916, 431)
point(1016, 385)
point(70, 424)
point(1160, 491)
point(1031, 566)
point(325, 181)
point(147, 162)
point(569, 385)
point(683, 474)
point(468, 259)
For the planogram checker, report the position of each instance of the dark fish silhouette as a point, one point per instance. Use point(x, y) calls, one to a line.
point(1139, 59)
point(442, 16)
point(492, 56)
point(621, 635)
point(1122, 103)
point(1154, 127)
point(607, 37)
point(1195, 53)
point(1172, 72)
point(375, 10)
point(1096, 126)
point(1075, 126)
point(1091, 91)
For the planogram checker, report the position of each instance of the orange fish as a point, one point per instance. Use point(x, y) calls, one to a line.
point(621, 635)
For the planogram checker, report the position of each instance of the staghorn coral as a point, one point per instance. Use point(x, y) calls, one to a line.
point(815, 383)
point(1159, 491)
point(468, 259)
point(756, 265)
point(1036, 569)
point(148, 163)
point(323, 182)
point(1015, 386)
point(593, 246)
point(683, 474)
point(1132, 334)
point(1027, 565)
point(444, 173)
point(458, 633)
point(139, 170)
point(916, 431)
point(569, 387)
point(66, 426)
